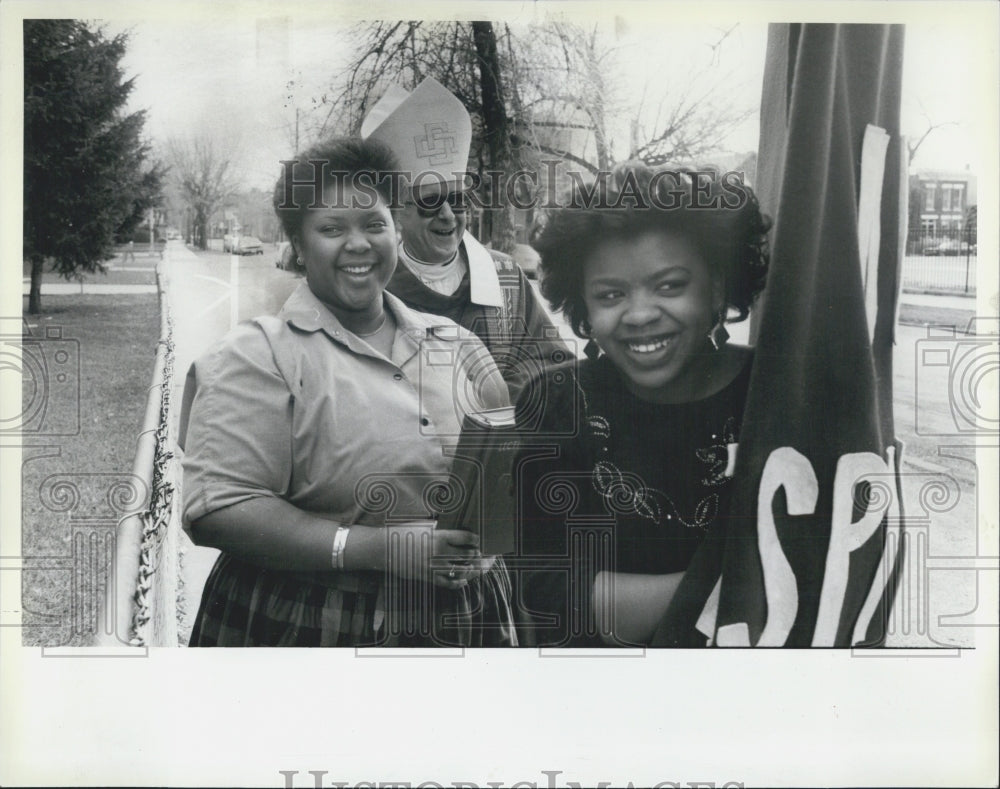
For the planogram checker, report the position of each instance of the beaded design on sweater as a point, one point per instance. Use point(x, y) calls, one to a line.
point(626, 493)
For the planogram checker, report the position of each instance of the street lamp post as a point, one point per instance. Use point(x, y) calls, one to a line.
point(234, 276)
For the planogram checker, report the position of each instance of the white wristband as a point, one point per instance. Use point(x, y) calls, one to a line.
point(339, 543)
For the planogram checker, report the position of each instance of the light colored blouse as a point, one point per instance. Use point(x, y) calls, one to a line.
point(297, 407)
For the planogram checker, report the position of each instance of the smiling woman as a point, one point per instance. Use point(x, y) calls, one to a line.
point(315, 443)
point(644, 433)
point(349, 255)
point(652, 317)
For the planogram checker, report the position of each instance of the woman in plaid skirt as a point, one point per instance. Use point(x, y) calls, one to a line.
point(316, 443)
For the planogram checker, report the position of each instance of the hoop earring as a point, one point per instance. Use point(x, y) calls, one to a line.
point(718, 335)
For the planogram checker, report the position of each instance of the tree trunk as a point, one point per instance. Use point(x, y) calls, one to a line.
point(35, 292)
point(495, 131)
point(201, 223)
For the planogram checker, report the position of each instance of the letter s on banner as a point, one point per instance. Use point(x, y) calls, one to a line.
point(789, 469)
point(846, 537)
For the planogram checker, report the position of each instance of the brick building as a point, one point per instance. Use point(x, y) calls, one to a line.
point(939, 201)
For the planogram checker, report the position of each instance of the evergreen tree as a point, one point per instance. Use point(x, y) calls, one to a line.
point(85, 163)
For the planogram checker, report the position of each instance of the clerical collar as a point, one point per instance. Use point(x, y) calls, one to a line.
point(413, 258)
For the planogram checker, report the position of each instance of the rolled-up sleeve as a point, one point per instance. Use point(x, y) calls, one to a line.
point(237, 430)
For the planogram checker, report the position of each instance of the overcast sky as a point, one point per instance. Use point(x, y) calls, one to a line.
point(231, 76)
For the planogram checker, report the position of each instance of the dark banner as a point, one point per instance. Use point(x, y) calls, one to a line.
point(808, 557)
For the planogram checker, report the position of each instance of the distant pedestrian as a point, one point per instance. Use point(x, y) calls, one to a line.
point(130, 252)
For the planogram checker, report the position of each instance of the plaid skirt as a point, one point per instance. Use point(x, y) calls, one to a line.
point(247, 606)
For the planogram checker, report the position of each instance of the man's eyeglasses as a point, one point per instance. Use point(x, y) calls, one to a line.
point(429, 205)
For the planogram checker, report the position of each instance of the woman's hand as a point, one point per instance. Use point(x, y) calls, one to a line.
point(444, 557)
point(471, 568)
point(270, 532)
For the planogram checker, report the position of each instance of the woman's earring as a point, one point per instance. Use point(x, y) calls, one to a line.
point(591, 350)
point(718, 335)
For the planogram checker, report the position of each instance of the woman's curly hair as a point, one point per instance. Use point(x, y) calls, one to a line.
point(716, 211)
point(341, 158)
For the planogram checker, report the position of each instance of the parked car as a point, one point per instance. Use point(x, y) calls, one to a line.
point(248, 245)
point(285, 257)
point(946, 246)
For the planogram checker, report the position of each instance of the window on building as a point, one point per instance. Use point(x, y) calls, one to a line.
point(946, 197)
point(958, 201)
point(929, 197)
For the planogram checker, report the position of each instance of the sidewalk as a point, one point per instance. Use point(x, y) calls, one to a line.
point(925, 309)
point(70, 288)
point(190, 341)
point(139, 276)
point(934, 300)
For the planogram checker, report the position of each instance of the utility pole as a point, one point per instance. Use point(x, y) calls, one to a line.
point(152, 225)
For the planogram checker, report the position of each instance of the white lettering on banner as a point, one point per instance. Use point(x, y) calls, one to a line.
point(734, 635)
point(873, 149)
point(888, 558)
point(706, 622)
point(846, 537)
point(789, 469)
point(785, 468)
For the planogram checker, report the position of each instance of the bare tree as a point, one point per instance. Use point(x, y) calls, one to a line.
point(205, 177)
point(496, 125)
point(464, 56)
point(913, 147)
point(695, 112)
point(565, 78)
point(400, 52)
point(546, 90)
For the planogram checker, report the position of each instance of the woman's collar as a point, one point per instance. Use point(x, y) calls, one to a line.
point(306, 312)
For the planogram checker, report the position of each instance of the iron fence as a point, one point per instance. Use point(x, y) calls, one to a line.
point(944, 261)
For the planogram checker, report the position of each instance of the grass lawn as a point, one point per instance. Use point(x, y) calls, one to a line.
point(74, 486)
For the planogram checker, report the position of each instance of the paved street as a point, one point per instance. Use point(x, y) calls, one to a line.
point(209, 293)
point(940, 475)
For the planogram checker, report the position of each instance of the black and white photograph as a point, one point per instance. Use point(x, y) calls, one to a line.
point(615, 391)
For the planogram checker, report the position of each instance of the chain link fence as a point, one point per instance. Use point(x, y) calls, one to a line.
point(144, 599)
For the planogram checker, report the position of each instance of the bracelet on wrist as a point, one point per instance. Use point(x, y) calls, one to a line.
point(339, 543)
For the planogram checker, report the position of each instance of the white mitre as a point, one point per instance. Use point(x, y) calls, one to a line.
point(429, 131)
